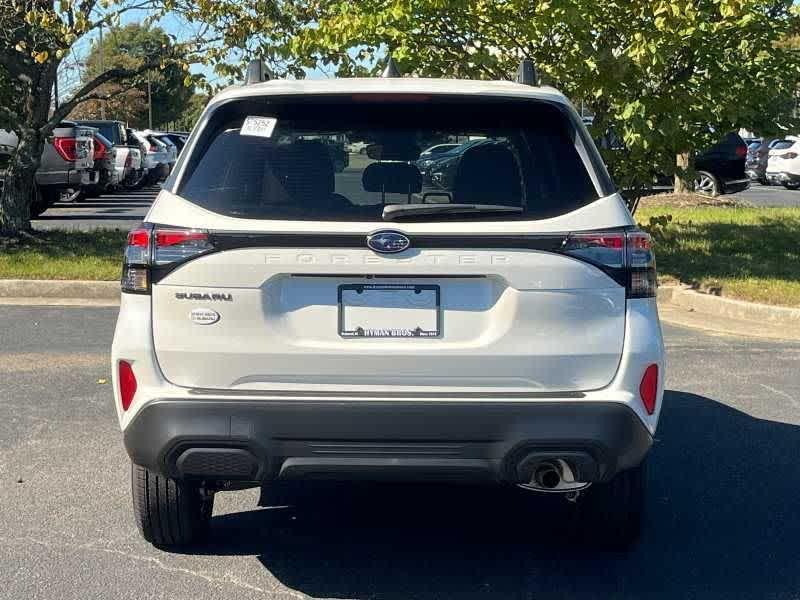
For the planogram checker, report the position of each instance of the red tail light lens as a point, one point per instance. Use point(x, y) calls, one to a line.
point(741, 151)
point(100, 150)
point(127, 384)
point(153, 252)
point(176, 245)
point(607, 249)
point(67, 147)
point(626, 256)
point(648, 389)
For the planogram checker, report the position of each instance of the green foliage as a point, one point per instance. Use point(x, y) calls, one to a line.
point(129, 47)
point(668, 76)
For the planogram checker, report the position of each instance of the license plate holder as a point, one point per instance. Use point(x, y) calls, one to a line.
point(391, 310)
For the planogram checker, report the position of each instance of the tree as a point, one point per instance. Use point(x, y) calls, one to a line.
point(37, 35)
point(668, 76)
point(191, 112)
point(127, 47)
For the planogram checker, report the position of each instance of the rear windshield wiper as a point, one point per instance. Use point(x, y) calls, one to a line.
point(398, 211)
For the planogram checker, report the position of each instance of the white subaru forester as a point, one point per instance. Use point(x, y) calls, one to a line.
point(489, 318)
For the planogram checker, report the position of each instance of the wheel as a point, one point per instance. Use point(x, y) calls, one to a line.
point(39, 202)
point(609, 515)
point(706, 184)
point(169, 512)
point(792, 185)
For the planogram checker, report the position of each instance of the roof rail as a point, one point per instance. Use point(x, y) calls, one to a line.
point(526, 73)
point(257, 72)
point(391, 69)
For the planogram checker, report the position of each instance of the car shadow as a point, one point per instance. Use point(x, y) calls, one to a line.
point(721, 523)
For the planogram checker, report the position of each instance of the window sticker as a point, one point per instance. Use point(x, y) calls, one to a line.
point(259, 126)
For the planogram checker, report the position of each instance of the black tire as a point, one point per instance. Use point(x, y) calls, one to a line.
point(609, 515)
point(792, 185)
point(169, 512)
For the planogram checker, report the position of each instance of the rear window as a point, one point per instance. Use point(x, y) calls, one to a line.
point(513, 153)
point(783, 144)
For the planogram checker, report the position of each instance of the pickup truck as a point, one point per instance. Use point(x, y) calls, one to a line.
point(66, 163)
point(125, 155)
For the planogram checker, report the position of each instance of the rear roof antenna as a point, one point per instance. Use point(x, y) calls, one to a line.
point(257, 72)
point(391, 69)
point(526, 73)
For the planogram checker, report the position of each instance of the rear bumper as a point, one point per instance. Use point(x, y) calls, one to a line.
point(256, 441)
point(778, 178)
point(66, 179)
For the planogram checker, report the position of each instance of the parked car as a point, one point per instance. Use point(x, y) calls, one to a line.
point(170, 148)
point(66, 164)
point(433, 163)
point(757, 158)
point(104, 169)
point(156, 159)
point(783, 166)
point(279, 323)
point(359, 147)
point(115, 132)
point(721, 168)
point(178, 139)
point(437, 149)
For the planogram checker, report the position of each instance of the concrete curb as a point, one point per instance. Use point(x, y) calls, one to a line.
point(690, 299)
point(67, 289)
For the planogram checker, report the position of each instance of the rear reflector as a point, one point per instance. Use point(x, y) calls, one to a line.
point(648, 389)
point(127, 384)
point(100, 150)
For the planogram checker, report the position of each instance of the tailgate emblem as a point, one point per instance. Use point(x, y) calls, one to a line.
point(204, 316)
point(387, 241)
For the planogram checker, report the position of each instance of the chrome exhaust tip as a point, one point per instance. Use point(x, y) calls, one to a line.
point(554, 476)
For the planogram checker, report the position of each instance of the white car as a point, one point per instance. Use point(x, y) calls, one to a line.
point(280, 321)
point(156, 160)
point(783, 165)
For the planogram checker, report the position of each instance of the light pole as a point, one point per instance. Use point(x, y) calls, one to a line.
point(102, 70)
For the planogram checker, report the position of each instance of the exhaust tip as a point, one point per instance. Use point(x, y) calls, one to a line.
point(547, 476)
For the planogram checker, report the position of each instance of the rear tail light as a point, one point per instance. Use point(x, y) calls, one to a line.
point(741, 151)
point(100, 150)
point(128, 161)
point(789, 155)
point(152, 252)
point(627, 256)
point(127, 384)
point(66, 147)
point(648, 389)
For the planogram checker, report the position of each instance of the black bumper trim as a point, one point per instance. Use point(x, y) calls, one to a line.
point(406, 440)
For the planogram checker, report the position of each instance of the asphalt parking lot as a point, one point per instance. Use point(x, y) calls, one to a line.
point(722, 519)
point(125, 210)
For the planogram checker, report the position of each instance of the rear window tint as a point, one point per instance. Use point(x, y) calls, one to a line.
point(511, 153)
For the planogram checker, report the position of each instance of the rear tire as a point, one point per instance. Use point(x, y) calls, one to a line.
point(705, 184)
point(169, 512)
point(609, 515)
point(792, 185)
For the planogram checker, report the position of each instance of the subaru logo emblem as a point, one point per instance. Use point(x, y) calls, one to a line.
point(388, 242)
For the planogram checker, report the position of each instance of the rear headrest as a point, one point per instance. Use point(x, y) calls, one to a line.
point(392, 178)
point(308, 170)
point(488, 174)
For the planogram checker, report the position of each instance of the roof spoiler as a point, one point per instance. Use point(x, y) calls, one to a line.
point(526, 73)
point(257, 72)
point(391, 69)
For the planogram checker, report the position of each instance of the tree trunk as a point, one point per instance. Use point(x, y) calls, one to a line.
point(682, 162)
point(19, 181)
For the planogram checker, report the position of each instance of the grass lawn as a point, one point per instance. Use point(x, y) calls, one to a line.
point(745, 253)
point(95, 255)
